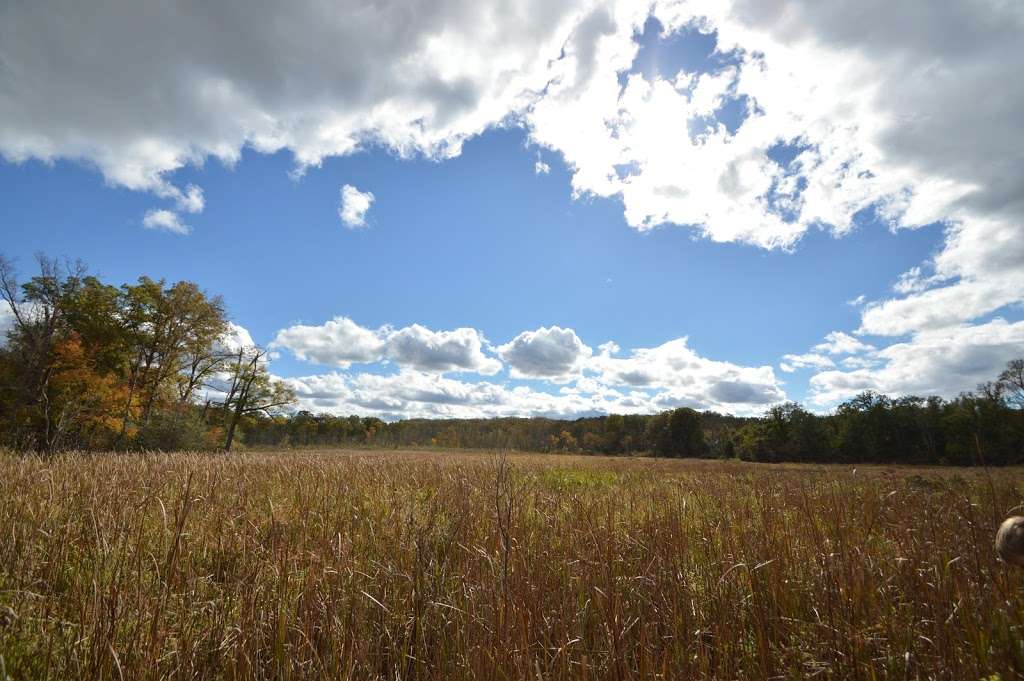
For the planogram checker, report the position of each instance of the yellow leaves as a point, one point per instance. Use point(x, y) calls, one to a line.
point(95, 399)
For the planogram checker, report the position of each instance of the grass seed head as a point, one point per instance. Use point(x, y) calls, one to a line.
point(1010, 540)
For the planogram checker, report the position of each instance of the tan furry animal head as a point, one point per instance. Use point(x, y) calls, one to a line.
point(1010, 540)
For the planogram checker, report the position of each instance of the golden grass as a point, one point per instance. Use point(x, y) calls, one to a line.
point(405, 565)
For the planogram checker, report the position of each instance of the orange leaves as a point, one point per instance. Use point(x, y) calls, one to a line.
point(92, 399)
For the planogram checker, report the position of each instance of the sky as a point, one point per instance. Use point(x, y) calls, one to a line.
point(557, 208)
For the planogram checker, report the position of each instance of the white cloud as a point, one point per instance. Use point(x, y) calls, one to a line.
point(420, 348)
point(354, 205)
point(541, 168)
point(189, 201)
point(6, 322)
point(192, 200)
point(141, 90)
point(412, 394)
point(839, 343)
point(552, 353)
point(940, 362)
point(236, 338)
point(338, 342)
point(341, 342)
point(860, 362)
point(913, 281)
point(791, 363)
point(681, 377)
point(165, 220)
point(981, 270)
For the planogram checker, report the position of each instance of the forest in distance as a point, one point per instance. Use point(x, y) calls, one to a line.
point(91, 366)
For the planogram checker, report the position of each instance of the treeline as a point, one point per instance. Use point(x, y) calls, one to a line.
point(982, 427)
point(682, 432)
point(975, 428)
point(88, 365)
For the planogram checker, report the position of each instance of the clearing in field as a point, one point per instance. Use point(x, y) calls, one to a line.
point(404, 565)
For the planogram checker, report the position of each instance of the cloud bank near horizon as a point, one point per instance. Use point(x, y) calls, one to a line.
point(547, 371)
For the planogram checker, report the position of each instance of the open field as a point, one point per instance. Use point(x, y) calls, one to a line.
point(427, 565)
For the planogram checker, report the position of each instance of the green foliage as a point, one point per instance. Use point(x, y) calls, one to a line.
point(676, 433)
point(173, 432)
point(786, 433)
point(87, 365)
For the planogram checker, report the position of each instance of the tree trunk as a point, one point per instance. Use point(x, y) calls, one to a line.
point(123, 437)
point(236, 416)
point(231, 432)
point(245, 382)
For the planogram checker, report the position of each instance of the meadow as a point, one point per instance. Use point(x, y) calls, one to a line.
point(474, 565)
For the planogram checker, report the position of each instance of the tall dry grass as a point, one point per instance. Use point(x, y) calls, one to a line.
point(406, 566)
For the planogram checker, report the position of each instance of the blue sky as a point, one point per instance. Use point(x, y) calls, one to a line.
point(497, 258)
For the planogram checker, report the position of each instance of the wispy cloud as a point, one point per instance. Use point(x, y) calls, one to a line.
point(165, 220)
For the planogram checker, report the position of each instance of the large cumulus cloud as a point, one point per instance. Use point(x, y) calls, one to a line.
point(552, 353)
point(341, 342)
point(140, 89)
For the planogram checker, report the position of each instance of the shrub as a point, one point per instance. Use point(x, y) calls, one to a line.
point(172, 431)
